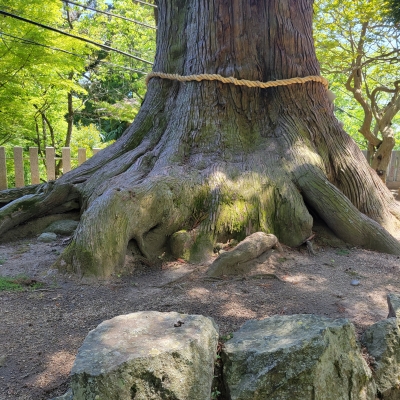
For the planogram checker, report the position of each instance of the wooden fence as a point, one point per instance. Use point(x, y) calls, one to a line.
point(392, 181)
point(33, 159)
point(393, 174)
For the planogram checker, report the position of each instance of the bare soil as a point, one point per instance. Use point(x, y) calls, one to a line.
point(42, 329)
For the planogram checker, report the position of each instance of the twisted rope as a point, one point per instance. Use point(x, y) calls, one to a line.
point(237, 82)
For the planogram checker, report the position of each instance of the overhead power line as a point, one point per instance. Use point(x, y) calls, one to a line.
point(28, 41)
point(103, 46)
point(108, 13)
point(350, 115)
point(145, 3)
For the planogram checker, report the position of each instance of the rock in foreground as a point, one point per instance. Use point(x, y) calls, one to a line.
point(382, 341)
point(145, 356)
point(298, 357)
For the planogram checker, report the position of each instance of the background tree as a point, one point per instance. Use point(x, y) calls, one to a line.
point(37, 68)
point(221, 160)
point(393, 7)
point(53, 85)
point(114, 84)
point(359, 49)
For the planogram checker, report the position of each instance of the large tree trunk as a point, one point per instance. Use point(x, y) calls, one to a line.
point(224, 160)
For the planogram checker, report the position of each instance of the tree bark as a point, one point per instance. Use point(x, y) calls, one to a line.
point(226, 160)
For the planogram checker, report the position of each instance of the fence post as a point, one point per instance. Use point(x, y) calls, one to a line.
point(81, 156)
point(34, 161)
point(66, 159)
point(95, 150)
point(19, 167)
point(50, 164)
point(3, 169)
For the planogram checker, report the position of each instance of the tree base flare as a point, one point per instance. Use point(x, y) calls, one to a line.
point(221, 160)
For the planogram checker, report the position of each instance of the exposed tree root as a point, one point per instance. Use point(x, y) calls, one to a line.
point(218, 160)
point(36, 205)
point(342, 217)
point(219, 203)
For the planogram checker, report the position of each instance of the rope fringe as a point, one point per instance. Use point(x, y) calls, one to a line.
point(237, 82)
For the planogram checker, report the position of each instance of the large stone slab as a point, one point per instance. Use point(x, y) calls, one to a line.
point(146, 356)
point(296, 357)
point(382, 341)
point(232, 262)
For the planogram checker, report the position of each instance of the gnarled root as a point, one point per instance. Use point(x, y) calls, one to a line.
point(342, 217)
point(35, 205)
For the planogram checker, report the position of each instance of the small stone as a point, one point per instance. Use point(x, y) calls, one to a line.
point(47, 237)
point(355, 282)
point(3, 360)
point(63, 227)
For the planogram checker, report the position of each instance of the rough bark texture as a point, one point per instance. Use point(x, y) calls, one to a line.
point(223, 159)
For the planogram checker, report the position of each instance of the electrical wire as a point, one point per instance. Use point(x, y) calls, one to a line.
point(350, 115)
point(28, 41)
point(108, 13)
point(145, 3)
point(103, 46)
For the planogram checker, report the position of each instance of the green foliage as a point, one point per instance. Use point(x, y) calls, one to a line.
point(115, 83)
point(226, 337)
point(48, 79)
point(17, 283)
point(393, 10)
point(215, 393)
point(35, 78)
point(357, 45)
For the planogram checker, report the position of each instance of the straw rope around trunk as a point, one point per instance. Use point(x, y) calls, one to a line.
point(237, 82)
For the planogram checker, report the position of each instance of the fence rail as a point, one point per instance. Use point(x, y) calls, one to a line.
point(393, 171)
point(393, 175)
point(392, 180)
point(34, 165)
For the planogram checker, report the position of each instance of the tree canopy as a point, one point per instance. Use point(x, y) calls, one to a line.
point(359, 51)
point(52, 83)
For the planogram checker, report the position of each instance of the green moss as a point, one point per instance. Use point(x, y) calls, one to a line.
point(202, 247)
point(202, 206)
point(181, 243)
point(28, 204)
point(82, 259)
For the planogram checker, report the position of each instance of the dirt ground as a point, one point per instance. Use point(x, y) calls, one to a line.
point(42, 329)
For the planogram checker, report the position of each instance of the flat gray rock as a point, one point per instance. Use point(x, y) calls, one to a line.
point(299, 357)
point(147, 355)
point(47, 237)
point(65, 227)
